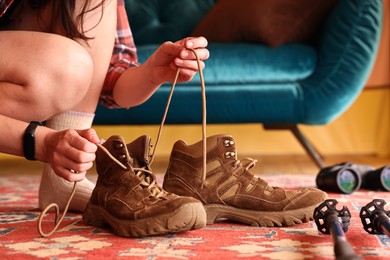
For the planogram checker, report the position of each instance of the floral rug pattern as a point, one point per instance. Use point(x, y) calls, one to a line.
point(19, 238)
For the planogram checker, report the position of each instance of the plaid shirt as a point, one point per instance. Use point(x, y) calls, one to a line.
point(124, 54)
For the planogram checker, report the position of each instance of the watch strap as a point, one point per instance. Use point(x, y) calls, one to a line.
point(29, 141)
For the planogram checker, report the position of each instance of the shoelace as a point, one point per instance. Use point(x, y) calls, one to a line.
point(146, 182)
point(204, 112)
point(238, 165)
point(149, 182)
point(145, 175)
point(58, 219)
point(250, 164)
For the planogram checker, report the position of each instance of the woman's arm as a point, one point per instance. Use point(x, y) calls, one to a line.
point(64, 151)
point(11, 137)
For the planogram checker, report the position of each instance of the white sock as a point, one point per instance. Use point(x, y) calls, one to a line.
point(54, 189)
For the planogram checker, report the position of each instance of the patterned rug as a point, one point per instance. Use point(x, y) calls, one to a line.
point(19, 238)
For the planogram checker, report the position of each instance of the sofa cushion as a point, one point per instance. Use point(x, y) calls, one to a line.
point(238, 64)
point(273, 22)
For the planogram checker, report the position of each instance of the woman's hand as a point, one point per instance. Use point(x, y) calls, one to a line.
point(137, 84)
point(170, 56)
point(71, 152)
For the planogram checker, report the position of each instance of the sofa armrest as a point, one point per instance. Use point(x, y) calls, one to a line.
point(346, 52)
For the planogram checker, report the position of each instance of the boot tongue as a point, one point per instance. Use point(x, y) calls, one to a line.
point(139, 150)
point(112, 153)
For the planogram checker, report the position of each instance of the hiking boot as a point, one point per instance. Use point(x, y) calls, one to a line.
point(230, 191)
point(128, 199)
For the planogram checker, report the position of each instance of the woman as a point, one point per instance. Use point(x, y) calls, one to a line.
point(59, 58)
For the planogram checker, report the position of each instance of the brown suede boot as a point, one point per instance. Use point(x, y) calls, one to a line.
point(230, 191)
point(128, 199)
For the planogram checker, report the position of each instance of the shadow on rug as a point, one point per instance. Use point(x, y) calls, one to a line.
point(19, 238)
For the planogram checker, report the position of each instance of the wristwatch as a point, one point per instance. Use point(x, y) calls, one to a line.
point(29, 141)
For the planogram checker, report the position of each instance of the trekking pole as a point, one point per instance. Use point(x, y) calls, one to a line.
point(330, 220)
point(375, 218)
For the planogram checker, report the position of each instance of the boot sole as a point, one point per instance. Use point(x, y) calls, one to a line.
point(217, 212)
point(189, 216)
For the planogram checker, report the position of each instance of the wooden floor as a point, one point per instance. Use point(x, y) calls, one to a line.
point(288, 164)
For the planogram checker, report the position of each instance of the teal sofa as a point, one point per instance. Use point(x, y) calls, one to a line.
point(281, 88)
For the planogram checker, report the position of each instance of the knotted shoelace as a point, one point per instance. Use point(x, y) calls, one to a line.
point(147, 181)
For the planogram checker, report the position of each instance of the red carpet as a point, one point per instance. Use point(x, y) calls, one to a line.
point(19, 238)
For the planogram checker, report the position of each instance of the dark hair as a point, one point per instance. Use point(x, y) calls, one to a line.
point(63, 16)
point(72, 24)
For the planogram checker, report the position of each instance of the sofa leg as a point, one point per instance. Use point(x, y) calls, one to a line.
point(309, 148)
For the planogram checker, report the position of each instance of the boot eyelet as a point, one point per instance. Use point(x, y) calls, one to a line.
point(228, 143)
point(229, 154)
point(118, 145)
point(121, 157)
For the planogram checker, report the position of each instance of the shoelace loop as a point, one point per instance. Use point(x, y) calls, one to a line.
point(204, 115)
point(58, 219)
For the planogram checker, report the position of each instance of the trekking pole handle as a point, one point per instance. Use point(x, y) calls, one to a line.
point(375, 218)
point(330, 220)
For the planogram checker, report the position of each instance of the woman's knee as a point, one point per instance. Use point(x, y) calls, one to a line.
point(53, 72)
point(70, 76)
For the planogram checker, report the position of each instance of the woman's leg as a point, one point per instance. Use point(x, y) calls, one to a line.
point(81, 116)
point(55, 189)
point(63, 91)
point(42, 76)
